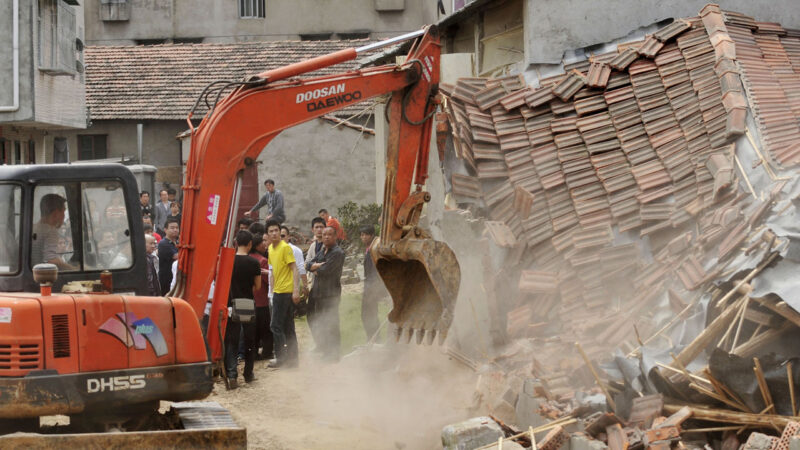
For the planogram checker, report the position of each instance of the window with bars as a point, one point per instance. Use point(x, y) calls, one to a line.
point(115, 10)
point(251, 9)
point(57, 37)
point(92, 146)
point(60, 150)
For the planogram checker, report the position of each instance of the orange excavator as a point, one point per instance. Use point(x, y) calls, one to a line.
point(100, 350)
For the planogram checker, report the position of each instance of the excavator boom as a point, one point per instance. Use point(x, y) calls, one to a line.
point(237, 128)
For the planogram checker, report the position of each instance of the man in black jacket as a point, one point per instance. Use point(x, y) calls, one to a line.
point(167, 253)
point(326, 294)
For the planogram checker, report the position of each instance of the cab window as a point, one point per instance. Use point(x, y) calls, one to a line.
point(106, 231)
point(81, 226)
point(10, 216)
point(52, 239)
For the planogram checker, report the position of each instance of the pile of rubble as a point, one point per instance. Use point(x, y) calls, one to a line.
point(643, 238)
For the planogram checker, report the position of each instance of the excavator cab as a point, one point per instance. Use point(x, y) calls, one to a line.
point(86, 221)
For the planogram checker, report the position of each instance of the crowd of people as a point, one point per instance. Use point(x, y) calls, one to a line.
point(276, 276)
point(161, 228)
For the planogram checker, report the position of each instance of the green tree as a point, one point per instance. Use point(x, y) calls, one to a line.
point(353, 216)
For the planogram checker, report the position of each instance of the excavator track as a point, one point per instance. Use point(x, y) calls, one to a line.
point(196, 425)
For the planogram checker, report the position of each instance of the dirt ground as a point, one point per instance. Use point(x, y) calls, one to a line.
point(387, 397)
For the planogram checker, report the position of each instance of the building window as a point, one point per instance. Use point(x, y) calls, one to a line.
point(3, 152)
point(188, 40)
point(115, 10)
point(150, 41)
point(60, 150)
point(92, 146)
point(316, 37)
point(31, 152)
point(57, 37)
point(251, 9)
point(17, 152)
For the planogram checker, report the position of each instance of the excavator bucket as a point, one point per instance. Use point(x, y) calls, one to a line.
point(422, 276)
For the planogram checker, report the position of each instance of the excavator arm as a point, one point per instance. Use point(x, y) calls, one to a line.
point(237, 128)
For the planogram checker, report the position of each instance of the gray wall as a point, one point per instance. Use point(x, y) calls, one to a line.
point(218, 20)
point(25, 111)
point(318, 166)
point(46, 101)
point(553, 26)
point(160, 146)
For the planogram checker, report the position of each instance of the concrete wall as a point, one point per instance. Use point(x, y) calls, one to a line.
point(60, 100)
point(218, 20)
point(553, 26)
point(25, 111)
point(159, 144)
point(46, 100)
point(318, 166)
point(495, 34)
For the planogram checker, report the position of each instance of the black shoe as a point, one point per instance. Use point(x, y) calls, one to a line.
point(232, 384)
point(249, 379)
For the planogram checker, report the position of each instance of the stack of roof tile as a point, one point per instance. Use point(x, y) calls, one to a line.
point(634, 141)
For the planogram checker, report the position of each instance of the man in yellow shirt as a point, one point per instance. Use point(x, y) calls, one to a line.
point(286, 294)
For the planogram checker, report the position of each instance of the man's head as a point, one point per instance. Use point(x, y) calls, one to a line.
point(163, 196)
point(285, 233)
point(148, 229)
point(270, 185)
point(149, 243)
point(257, 228)
point(244, 223)
point(244, 240)
point(367, 234)
point(147, 220)
point(259, 244)
point(172, 228)
point(171, 193)
point(53, 207)
point(317, 225)
point(144, 198)
point(107, 240)
point(273, 231)
point(329, 237)
point(323, 213)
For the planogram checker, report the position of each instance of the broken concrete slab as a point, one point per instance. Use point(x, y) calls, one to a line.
point(528, 406)
point(471, 433)
point(580, 441)
point(759, 441)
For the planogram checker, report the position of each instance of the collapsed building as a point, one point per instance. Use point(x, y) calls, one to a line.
point(641, 205)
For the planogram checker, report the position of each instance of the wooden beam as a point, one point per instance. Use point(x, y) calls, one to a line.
point(707, 336)
point(726, 416)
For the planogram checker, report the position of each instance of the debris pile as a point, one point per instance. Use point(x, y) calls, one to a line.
point(643, 238)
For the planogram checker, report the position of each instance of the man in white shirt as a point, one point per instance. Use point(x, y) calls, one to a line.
point(45, 232)
point(298, 258)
